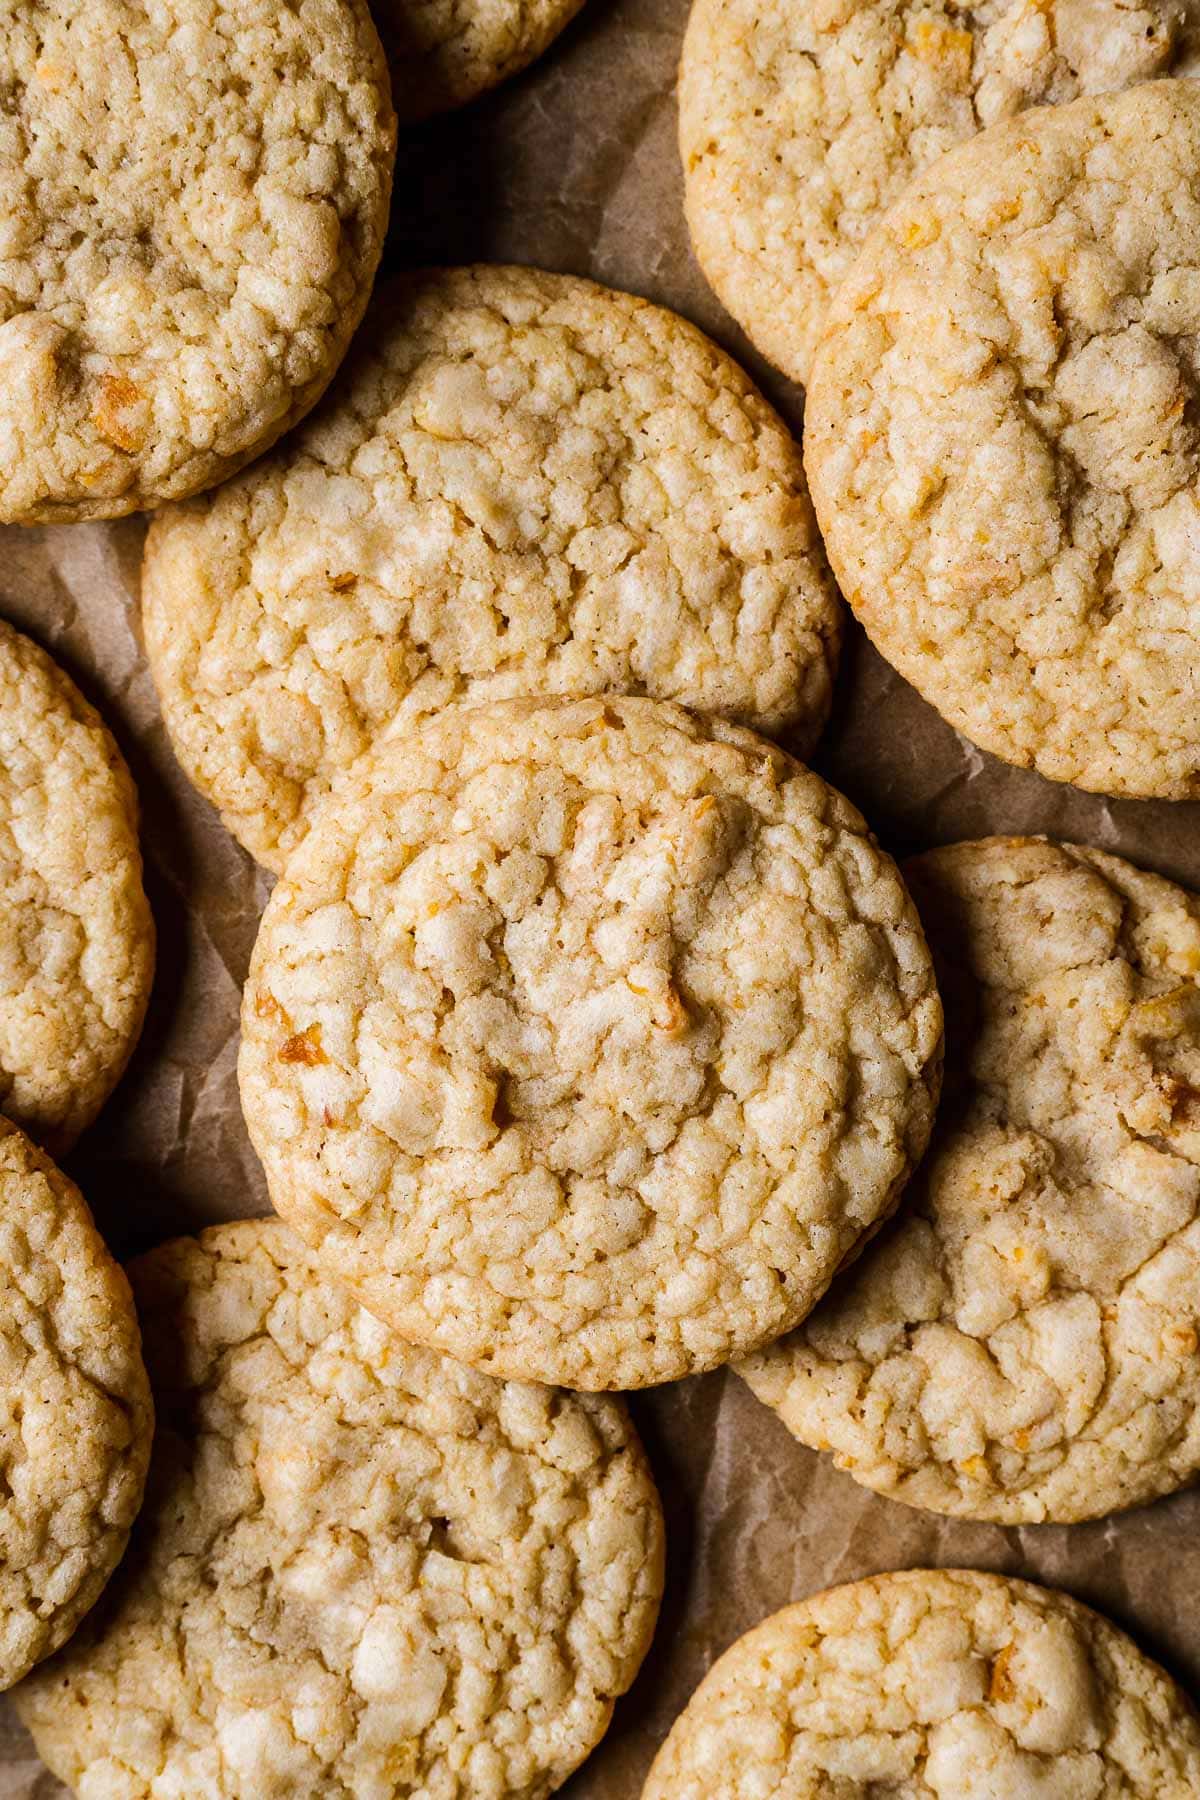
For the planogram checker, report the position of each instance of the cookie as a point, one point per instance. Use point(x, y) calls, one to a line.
point(75, 1418)
point(361, 1568)
point(1022, 1344)
point(1002, 443)
point(445, 53)
point(196, 197)
point(583, 1040)
point(76, 934)
point(523, 484)
point(801, 121)
point(938, 1683)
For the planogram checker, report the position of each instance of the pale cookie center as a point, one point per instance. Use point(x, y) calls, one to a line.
point(1079, 500)
point(558, 1002)
point(1129, 406)
point(1020, 54)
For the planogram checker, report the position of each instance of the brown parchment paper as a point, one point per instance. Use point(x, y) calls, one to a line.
point(574, 167)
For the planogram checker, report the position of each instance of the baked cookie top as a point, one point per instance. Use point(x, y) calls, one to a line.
point(75, 1411)
point(196, 194)
point(801, 121)
point(1022, 1344)
point(446, 52)
point(361, 1568)
point(523, 483)
point(76, 934)
point(928, 1684)
point(1002, 440)
point(584, 1039)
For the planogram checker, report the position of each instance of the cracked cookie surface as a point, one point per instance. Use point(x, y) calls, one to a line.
point(362, 1569)
point(196, 197)
point(522, 484)
point(1022, 1344)
point(584, 1039)
point(1002, 437)
point(933, 1684)
point(76, 933)
point(446, 52)
point(801, 121)
point(75, 1413)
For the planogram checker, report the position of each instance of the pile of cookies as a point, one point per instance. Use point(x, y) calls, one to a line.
point(590, 1040)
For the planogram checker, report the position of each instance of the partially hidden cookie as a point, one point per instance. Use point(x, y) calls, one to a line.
point(933, 1684)
point(362, 1569)
point(444, 53)
point(1001, 436)
point(522, 484)
point(801, 121)
point(196, 194)
point(76, 933)
point(75, 1411)
point(1022, 1344)
point(585, 1039)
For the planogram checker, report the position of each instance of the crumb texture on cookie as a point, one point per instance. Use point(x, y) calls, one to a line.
point(933, 1684)
point(75, 1417)
point(76, 933)
point(196, 197)
point(801, 121)
point(1002, 438)
point(362, 1569)
point(585, 1038)
point(522, 484)
point(444, 53)
point(1022, 1344)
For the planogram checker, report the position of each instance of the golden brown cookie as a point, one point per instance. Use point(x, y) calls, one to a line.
point(801, 121)
point(584, 1039)
point(196, 194)
point(933, 1684)
point(444, 53)
point(76, 933)
point(361, 1569)
point(75, 1412)
point(1022, 1344)
point(1001, 436)
point(523, 484)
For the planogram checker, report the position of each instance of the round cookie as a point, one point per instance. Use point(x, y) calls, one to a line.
point(76, 933)
point(1022, 1345)
point(585, 1039)
point(801, 121)
point(523, 484)
point(197, 194)
point(1002, 440)
point(446, 52)
point(75, 1417)
point(361, 1569)
point(933, 1684)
